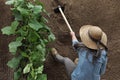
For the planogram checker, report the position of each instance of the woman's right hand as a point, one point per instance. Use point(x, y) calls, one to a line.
point(72, 34)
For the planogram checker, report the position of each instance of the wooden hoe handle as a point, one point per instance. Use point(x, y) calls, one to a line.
point(63, 15)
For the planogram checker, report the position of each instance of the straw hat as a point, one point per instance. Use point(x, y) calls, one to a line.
point(89, 32)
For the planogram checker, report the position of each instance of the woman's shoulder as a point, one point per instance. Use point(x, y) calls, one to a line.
point(80, 45)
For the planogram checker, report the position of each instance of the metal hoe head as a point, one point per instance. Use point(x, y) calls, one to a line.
point(56, 10)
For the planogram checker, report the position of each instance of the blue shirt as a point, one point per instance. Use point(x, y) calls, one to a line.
point(85, 69)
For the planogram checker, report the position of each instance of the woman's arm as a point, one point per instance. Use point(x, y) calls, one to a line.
point(74, 40)
point(73, 36)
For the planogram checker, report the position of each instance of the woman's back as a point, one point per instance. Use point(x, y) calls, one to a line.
point(86, 69)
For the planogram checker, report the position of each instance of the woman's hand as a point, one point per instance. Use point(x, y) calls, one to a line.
point(73, 35)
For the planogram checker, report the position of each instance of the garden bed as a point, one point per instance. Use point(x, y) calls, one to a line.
point(105, 14)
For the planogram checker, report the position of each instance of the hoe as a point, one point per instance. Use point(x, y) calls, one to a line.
point(60, 9)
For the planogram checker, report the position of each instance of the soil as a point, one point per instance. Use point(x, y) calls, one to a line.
point(103, 13)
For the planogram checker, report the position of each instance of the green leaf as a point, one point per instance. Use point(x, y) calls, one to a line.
point(34, 24)
point(42, 77)
point(29, 5)
point(17, 14)
point(34, 56)
point(39, 47)
point(23, 11)
point(39, 70)
point(7, 30)
point(51, 37)
point(22, 32)
point(9, 2)
point(32, 37)
point(14, 25)
point(24, 54)
point(36, 34)
point(14, 62)
point(43, 43)
point(13, 46)
point(32, 73)
point(37, 9)
point(17, 74)
point(19, 3)
point(10, 29)
point(27, 68)
point(19, 39)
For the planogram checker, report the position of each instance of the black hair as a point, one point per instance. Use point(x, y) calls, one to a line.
point(97, 53)
point(98, 42)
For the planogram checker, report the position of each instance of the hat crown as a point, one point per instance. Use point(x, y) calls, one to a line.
point(87, 32)
point(95, 32)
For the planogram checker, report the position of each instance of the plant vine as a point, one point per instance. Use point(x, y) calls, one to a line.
point(31, 37)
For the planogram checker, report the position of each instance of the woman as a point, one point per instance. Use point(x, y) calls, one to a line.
point(92, 53)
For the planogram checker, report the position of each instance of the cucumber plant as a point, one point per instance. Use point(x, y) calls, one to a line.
point(31, 36)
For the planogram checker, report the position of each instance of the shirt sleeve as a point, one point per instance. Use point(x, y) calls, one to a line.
point(103, 67)
point(74, 43)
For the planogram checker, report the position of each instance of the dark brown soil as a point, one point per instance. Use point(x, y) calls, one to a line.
point(5, 19)
point(103, 13)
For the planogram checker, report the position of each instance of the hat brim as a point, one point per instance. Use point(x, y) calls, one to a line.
point(88, 42)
